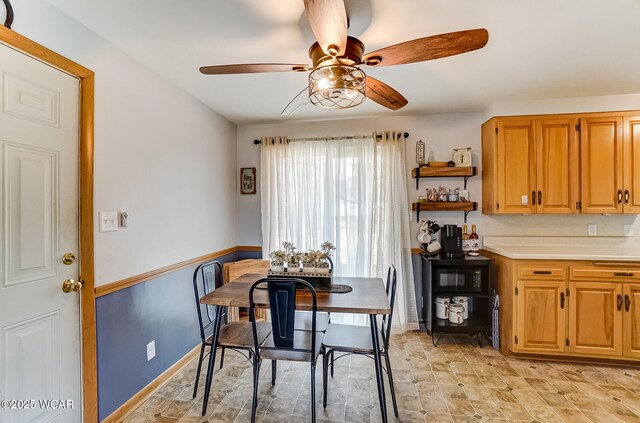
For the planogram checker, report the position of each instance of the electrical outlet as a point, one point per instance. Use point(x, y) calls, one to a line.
point(592, 229)
point(151, 350)
point(627, 230)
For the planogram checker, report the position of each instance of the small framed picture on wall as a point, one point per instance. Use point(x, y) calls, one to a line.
point(247, 180)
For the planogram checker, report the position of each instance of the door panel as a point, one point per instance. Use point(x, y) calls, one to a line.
point(516, 166)
point(595, 323)
point(557, 165)
point(30, 182)
point(541, 317)
point(601, 163)
point(39, 324)
point(631, 184)
point(632, 320)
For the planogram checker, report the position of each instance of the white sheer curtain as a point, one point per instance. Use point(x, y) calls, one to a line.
point(351, 192)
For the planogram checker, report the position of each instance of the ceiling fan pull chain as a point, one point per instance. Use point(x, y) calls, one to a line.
point(9, 19)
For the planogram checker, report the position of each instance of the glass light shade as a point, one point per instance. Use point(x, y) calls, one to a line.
point(337, 86)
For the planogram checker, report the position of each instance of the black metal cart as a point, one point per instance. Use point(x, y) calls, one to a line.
point(449, 277)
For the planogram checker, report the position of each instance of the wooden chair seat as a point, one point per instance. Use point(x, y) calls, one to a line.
point(301, 340)
point(303, 321)
point(349, 337)
point(238, 334)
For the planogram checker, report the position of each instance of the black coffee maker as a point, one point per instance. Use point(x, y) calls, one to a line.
point(451, 241)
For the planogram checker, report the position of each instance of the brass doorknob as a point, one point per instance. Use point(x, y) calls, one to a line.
point(71, 286)
point(68, 259)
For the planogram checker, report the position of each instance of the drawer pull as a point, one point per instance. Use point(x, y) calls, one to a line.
point(622, 274)
point(542, 272)
point(562, 300)
point(627, 303)
point(619, 302)
point(619, 196)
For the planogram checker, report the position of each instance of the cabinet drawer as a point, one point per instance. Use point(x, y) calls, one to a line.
point(544, 271)
point(600, 274)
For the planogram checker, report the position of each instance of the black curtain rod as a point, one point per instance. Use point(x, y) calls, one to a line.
point(9, 17)
point(258, 142)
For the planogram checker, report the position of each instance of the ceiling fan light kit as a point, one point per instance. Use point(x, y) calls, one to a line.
point(336, 81)
point(337, 87)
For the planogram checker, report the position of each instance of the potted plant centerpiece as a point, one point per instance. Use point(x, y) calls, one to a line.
point(322, 258)
point(292, 257)
point(309, 262)
point(277, 260)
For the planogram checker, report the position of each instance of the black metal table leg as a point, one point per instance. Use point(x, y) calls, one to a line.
point(378, 364)
point(212, 358)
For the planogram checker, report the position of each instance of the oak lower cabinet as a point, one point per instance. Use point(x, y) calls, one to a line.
point(631, 321)
point(541, 316)
point(595, 318)
point(568, 308)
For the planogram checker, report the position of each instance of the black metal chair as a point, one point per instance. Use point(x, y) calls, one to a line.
point(350, 339)
point(285, 341)
point(233, 335)
point(303, 318)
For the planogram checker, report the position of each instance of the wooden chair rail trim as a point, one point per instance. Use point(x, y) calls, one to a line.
point(132, 403)
point(134, 280)
point(249, 248)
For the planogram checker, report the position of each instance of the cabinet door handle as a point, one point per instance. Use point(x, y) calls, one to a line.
point(627, 196)
point(627, 303)
point(619, 302)
point(533, 196)
point(622, 274)
point(539, 197)
point(542, 272)
point(562, 300)
point(619, 196)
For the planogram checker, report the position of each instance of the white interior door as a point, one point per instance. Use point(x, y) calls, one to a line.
point(40, 362)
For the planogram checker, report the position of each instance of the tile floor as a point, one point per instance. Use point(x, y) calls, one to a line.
point(455, 382)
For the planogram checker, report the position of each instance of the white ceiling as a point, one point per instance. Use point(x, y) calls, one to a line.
point(537, 49)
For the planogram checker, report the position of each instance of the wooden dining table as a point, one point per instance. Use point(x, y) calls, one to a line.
point(368, 296)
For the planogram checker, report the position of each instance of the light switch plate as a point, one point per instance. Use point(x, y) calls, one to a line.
point(108, 221)
point(627, 230)
point(592, 229)
point(151, 350)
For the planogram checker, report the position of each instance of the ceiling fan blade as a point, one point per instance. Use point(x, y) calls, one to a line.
point(384, 95)
point(328, 20)
point(252, 68)
point(429, 48)
point(302, 99)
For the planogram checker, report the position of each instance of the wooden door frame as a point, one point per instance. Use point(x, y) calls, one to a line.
point(87, 309)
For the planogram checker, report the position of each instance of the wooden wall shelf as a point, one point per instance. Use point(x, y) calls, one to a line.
point(443, 172)
point(465, 206)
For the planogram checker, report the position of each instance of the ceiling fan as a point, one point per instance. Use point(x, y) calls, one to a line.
point(336, 79)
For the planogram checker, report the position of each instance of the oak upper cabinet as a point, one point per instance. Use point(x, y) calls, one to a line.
point(631, 165)
point(557, 165)
point(530, 166)
point(631, 323)
point(595, 318)
point(601, 162)
point(540, 316)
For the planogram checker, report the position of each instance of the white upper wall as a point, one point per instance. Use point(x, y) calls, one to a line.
point(441, 133)
point(160, 154)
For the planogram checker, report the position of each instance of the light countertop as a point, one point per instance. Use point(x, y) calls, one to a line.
point(569, 248)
